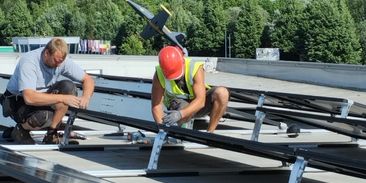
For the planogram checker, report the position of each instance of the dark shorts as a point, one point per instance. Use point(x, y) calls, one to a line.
point(41, 116)
point(177, 104)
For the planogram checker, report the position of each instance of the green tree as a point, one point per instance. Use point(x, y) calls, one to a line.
point(42, 28)
point(362, 33)
point(53, 18)
point(330, 33)
point(269, 6)
point(207, 37)
point(358, 12)
point(103, 18)
point(133, 46)
point(18, 20)
point(357, 9)
point(75, 23)
point(2, 18)
point(130, 26)
point(2, 24)
point(57, 18)
point(181, 16)
point(248, 29)
point(286, 34)
point(196, 39)
point(39, 7)
point(232, 3)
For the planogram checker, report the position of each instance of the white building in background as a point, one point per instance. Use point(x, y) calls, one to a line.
point(25, 44)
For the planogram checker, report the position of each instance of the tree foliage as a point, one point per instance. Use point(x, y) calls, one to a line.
point(358, 13)
point(208, 35)
point(358, 8)
point(362, 31)
point(18, 20)
point(309, 30)
point(103, 18)
point(2, 25)
point(286, 34)
point(248, 29)
point(133, 46)
point(330, 34)
point(2, 18)
point(52, 22)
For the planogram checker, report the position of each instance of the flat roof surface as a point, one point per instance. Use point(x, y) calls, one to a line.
point(123, 161)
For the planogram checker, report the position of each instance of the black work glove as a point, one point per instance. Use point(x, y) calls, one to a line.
point(172, 117)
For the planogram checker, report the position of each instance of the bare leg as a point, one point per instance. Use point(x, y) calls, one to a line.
point(220, 99)
point(60, 111)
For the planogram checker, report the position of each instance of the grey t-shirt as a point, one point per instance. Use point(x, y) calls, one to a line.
point(32, 73)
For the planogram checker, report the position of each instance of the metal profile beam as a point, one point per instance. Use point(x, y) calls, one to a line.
point(31, 169)
point(322, 121)
point(259, 117)
point(316, 159)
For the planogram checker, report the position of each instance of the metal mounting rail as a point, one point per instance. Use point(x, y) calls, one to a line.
point(325, 105)
point(327, 161)
point(330, 105)
point(259, 117)
point(338, 163)
point(354, 127)
point(31, 169)
point(113, 100)
point(155, 153)
point(297, 170)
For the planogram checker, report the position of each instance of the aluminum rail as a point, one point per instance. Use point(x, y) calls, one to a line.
point(31, 169)
point(339, 163)
point(331, 105)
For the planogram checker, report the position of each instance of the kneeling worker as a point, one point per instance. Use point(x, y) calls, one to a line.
point(36, 97)
point(179, 84)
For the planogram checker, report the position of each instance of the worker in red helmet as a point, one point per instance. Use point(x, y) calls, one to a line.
point(179, 87)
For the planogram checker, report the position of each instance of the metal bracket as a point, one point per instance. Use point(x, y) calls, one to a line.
point(259, 117)
point(298, 170)
point(155, 153)
point(121, 128)
point(70, 122)
point(345, 107)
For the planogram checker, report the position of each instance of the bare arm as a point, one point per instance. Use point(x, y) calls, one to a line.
point(200, 95)
point(34, 98)
point(157, 94)
point(88, 89)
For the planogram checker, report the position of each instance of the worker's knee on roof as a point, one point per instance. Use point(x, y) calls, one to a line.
point(64, 87)
point(221, 94)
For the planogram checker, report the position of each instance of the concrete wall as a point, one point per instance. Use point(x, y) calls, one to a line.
point(118, 65)
point(335, 75)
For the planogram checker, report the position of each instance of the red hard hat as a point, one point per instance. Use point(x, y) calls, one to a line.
point(171, 61)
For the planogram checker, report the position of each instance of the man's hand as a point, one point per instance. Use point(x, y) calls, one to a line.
point(172, 117)
point(72, 101)
point(84, 102)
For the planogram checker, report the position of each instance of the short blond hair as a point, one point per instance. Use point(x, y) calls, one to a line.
point(57, 44)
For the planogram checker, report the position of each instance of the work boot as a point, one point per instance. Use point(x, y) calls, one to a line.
point(7, 133)
point(21, 136)
point(51, 137)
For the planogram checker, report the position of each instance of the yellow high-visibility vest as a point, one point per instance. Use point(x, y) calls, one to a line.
point(171, 88)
